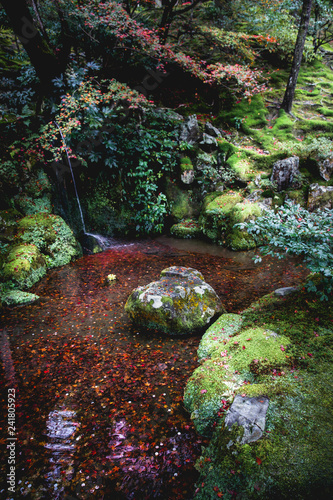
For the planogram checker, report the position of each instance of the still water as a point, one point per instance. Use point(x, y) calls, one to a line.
point(99, 404)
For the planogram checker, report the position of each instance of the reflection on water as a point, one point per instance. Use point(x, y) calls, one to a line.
point(200, 246)
point(60, 431)
point(76, 357)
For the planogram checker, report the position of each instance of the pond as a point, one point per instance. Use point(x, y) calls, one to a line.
point(99, 404)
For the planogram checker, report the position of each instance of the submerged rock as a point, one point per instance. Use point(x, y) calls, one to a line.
point(179, 302)
point(282, 292)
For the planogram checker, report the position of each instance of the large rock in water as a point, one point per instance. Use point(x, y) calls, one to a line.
point(179, 302)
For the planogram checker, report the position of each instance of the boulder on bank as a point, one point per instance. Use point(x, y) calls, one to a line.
point(52, 236)
point(320, 197)
point(284, 172)
point(24, 265)
point(179, 302)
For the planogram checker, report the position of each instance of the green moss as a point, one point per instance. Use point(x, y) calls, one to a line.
point(18, 298)
point(226, 326)
point(216, 213)
point(257, 350)
point(186, 164)
point(223, 204)
point(326, 111)
point(182, 203)
point(298, 196)
point(208, 385)
point(188, 228)
point(24, 265)
point(52, 237)
point(237, 239)
point(293, 459)
point(241, 164)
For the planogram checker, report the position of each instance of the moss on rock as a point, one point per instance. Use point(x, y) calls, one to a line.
point(188, 228)
point(242, 212)
point(52, 236)
point(204, 391)
point(24, 265)
point(218, 333)
point(179, 303)
point(182, 202)
point(216, 214)
point(18, 298)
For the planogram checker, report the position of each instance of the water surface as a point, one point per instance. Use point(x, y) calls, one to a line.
point(100, 411)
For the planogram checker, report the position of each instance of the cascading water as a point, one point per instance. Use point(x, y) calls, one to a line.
point(99, 242)
point(71, 169)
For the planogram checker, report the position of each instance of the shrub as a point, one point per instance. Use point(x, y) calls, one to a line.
point(294, 230)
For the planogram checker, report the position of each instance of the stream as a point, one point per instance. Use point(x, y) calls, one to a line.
point(99, 410)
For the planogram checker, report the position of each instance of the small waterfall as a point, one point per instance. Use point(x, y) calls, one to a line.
point(103, 242)
point(71, 169)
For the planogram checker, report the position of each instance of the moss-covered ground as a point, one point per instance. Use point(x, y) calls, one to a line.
point(293, 459)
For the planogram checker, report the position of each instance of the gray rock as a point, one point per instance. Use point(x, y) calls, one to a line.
point(320, 197)
point(282, 292)
point(208, 143)
point(179, 302)
point(250, 413)
point(326, 168)
point(255, 195)
point(284, 172)
point(190, 131)
point(187, 176)
point(211, 130)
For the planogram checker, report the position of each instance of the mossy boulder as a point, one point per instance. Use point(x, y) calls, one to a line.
point(52, 236)
point(253, 352)
point(188, 228)
point(209, 384)
point(256, 350)
point(218, 334)
point(180, 302)
point(24, 265)
point(182, 202)
point(237, 239)
point(293, 458)
point(18, 298)
point(215, 216)
point(320, 197)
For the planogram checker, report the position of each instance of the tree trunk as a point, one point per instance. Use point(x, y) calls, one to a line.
point(41, 55)
point(298, 54)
